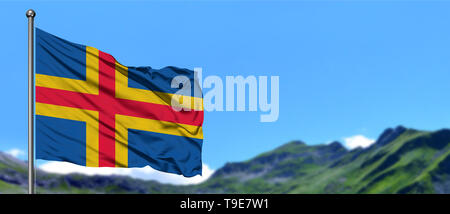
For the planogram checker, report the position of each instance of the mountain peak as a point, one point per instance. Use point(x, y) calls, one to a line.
point(291, 145)
point(336, 145)
point(296, 142)
point(389, 135)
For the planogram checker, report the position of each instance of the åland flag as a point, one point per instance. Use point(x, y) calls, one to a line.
point(95, 112)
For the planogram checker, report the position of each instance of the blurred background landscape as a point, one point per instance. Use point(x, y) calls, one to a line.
point(401, 160)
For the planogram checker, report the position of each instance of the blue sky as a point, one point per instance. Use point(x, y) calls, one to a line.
point(346, 68)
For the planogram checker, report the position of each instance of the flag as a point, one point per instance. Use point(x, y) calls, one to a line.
point(95, 112)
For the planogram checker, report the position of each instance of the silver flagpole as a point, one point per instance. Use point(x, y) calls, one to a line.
point(31, 176)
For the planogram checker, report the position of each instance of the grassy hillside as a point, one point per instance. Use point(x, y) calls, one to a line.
point(400, 161)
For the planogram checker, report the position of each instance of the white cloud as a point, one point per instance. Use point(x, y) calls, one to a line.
point(145, 173)
point(358, 141)
point(15, 152)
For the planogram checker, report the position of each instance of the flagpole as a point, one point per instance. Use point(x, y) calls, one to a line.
point(31, 175)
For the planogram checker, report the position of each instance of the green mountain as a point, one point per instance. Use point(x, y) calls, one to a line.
point(400, 161)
